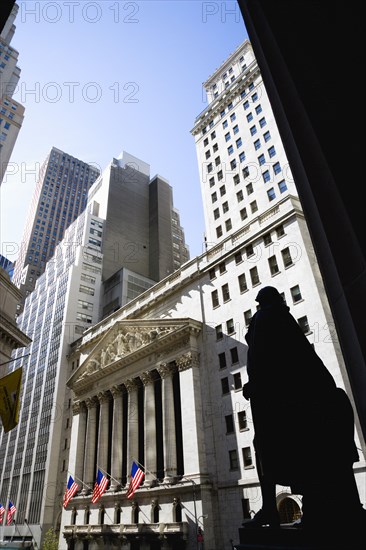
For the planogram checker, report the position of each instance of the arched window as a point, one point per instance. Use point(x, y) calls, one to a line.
point(87, 515)
point(135, 512)
point(74, 513)
point(289, 510)
point(101, 515)
point(177, 510)
point(155, 511)
point(117, 514)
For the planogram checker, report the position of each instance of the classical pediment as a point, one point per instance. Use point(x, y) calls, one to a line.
point(129, 340)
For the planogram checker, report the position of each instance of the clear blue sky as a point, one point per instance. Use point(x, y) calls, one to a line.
point(101, 77)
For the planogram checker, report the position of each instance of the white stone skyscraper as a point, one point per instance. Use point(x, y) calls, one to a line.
point(58, 199)
point(165, 371)
point(11, 112)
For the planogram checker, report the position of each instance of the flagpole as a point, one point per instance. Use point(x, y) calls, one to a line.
point(81, 481)
point(104, 472)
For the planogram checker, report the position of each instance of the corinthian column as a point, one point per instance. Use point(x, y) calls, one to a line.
point(150, 428)
point(117, 438)
point(79, 411)
point(90, 440)
point(103, 436)
point(169, 436)
point(132, 425)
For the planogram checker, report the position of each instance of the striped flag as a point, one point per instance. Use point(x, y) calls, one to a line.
point(71, 489)
point(11, 512)
point(2, 512)
point(137, 475)
point(100, 486)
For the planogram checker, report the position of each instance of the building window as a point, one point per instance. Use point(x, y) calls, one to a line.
point(261, 159)
point(258, 109)
point(236, 129)
point(216, 213)
point(246, 105)
point(225, 124)
point(242, 156)
point(267, 239)
point(222, 360)
point(213, 135)
point(254, 97)
point(272, 151)
point(232, 117)
point(247, 457)
point(243, 214)
point(212, 274)
point(230, 150)
point(249, 117)
point(209, 167)
point(257, 144)
point(215, 298)
point(242, 283)
point(230, 329)
point(219, 231)
point(227, 136)
point(239, 143)
point(248, 317)
point(237, 381)
point(229, 423)
point(222, 268)
point(296, 294)
point(271, 194)
point(205, 142)
point(233, 164)
point(253, 130)
point(304, 324)
point(277, 168)
point(233, 458)
point(214, 197)
point(212, 181)
point(273, 265)
point(280, 231)
point(242, 420)
point(220, 175)
point(222, 190)
point(225, 293)
point(240, 196)
point(238, 257)
point(219, 333)
point(208, 154)
point(267, 136)
point(217, 161)
point(234, 355)
point(286, 257)
point(245, 172)
point(225, 207)
point(254, 276)
point(253, 206)
point(222, 114)
point(225, 385)
point(230, 106)
point(282, 186)
point(262, 122)
point(266, 176)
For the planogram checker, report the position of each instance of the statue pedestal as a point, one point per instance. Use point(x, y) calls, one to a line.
point(292, 538)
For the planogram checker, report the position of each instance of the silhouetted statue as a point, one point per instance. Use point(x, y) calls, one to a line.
point(304, 424)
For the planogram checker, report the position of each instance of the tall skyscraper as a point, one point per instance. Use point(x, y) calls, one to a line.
point(102, 262)
point(11, 112)
point(160, 380)
point(59, 197)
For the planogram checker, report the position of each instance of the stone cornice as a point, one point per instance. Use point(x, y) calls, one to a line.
point(233, 58)
point(8, 329)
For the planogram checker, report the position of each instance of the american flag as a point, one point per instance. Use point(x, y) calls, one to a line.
point(137, 475)
point(11, 512)
point(100, 486)
point(2, 512)
point(71, 489)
